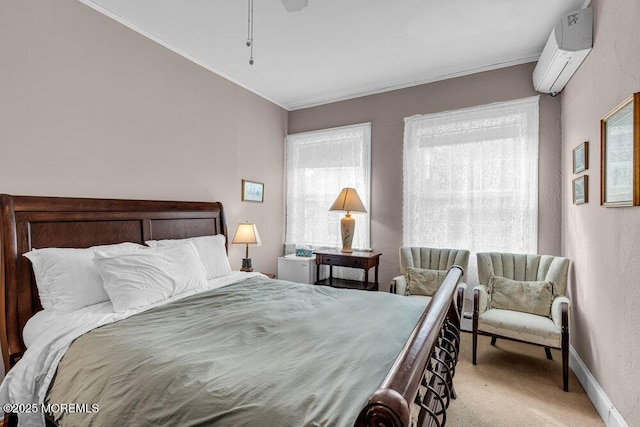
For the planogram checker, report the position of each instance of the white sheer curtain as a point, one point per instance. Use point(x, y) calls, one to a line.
point(471, 179)
point(318, 165)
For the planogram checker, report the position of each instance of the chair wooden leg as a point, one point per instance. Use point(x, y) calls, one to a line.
point(547, 350)
point(565, 346)
point(460, 301)
point(565, 369)
point(493, 341)
point(476, 309)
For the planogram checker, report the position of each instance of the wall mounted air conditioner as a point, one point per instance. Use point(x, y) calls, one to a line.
point(569, 43)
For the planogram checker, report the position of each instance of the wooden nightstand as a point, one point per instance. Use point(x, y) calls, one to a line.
point(362, 260)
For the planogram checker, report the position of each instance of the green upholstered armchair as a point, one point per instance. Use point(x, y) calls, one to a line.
point(521, 297)
point(432, 259)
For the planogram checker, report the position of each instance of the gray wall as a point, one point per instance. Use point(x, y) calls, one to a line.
point(603, 242)
point(386, 112)
point(90, 108)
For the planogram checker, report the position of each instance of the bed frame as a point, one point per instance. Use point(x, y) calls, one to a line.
point(416, 391)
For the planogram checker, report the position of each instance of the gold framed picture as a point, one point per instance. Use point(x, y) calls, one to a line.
point(252, 191)
point(620, 155)
point(581, 157)
point(581, 190)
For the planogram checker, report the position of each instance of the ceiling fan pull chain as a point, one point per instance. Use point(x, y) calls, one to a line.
point(250, 29)
point(248, 23)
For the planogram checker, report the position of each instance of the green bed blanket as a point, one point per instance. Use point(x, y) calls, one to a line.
point(257, 353)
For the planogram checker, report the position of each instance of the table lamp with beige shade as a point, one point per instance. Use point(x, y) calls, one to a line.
point(247, 234)
point(348, 201)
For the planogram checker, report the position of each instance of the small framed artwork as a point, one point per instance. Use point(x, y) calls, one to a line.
point(620, 155)
point(252, 191)
point(581, 190)
point(581, 157)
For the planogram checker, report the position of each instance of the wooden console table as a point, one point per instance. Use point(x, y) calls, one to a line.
point(361, 260)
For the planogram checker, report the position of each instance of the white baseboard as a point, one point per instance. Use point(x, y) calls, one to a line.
point(599, 398)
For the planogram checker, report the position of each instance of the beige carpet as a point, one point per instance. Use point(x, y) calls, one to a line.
point(514, 384)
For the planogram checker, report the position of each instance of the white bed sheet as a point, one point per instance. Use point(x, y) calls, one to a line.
point(37, 325)
point(28, 381)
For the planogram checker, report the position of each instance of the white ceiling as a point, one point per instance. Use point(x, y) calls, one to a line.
point(340, 49)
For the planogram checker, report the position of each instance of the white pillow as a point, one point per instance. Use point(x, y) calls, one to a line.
point(140, 278)
point(211, 251)
point(66, 278)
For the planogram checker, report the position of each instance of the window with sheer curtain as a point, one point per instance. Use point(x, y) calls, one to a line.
point(318, 165)
point(471, 179)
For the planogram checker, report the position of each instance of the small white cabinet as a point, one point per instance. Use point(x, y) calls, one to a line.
point(298, 269)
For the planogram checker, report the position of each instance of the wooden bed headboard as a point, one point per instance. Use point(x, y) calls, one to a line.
point(28, 222)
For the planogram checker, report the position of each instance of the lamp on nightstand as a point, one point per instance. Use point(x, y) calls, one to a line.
point(349, 201)
point(247, 234)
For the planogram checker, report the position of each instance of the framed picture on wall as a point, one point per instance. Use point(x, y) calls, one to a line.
point(581, 190)
point(620, 149)
point(581, 157)
point(252, 191)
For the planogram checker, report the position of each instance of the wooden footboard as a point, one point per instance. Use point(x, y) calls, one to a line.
point(419, 386)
